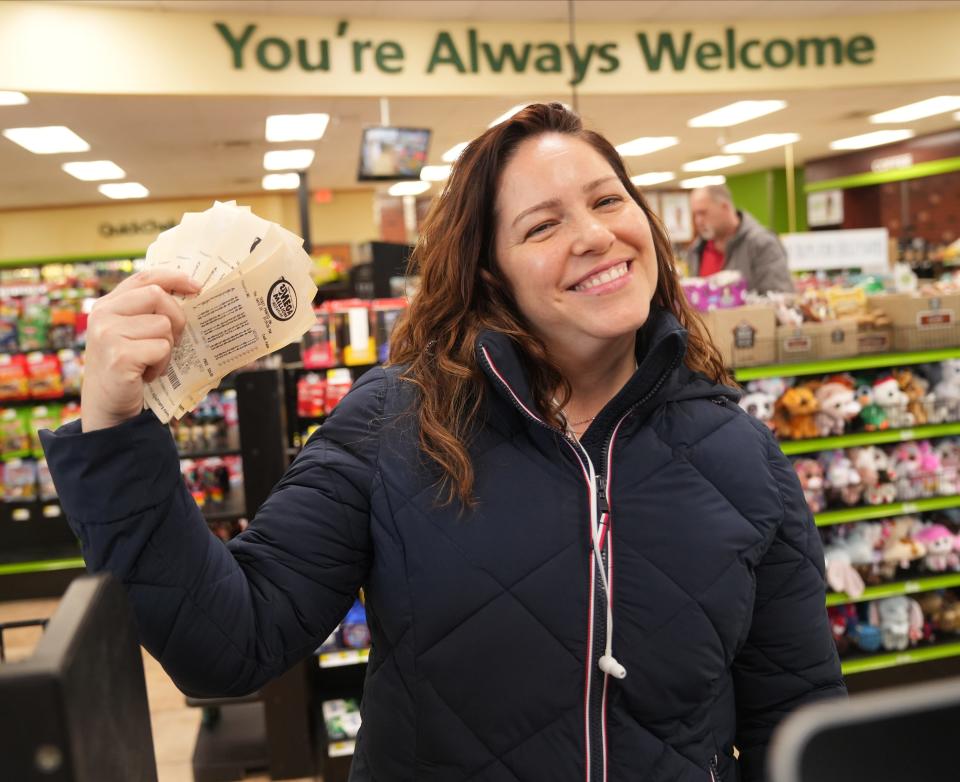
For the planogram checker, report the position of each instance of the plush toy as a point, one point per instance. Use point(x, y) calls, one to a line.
point(863, 544)
point(949, 617)
point(794, 414)
point(842, 619)
point(843, 479)
point(872, 416)
point(887, 394)
point(759, 404)
point(875, 472)
point(810, 474)
point(947, 391)
point(939, 543)
point(906, 461)
point(774, 386)
point(931, 470)
point(949, 453)
point(900, 552)
point(840, 573)
point(838, 405)
point(865, 636)
point(916, 389)
point(900, 621)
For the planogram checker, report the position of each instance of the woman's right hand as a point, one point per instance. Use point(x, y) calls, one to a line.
point(131, 333)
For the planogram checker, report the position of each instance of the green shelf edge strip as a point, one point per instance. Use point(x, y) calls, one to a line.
point(793, 447)
point(911, 587)
point(927, 168)
point(17, 263)
point(849, 515)
point(44, 566)
point(852, 363)
point(895, 659)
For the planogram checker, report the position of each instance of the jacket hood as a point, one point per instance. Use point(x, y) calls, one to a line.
point(661, 375)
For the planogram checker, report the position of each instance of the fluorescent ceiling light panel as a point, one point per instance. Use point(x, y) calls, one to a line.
point(652, 178)
point(874, 139)
point(924, 108)
point(735, 113)
point(713, 162)
point(435, 173)
point(761, 143)
point(408, 188)
point(281, 181)
point(9, 98)
point(94, 170)
point(702, 181)
point(645, 145)
point(454, 152)
point(296, 127)
point(49, 140)
point(288, 159)
point(124, 190)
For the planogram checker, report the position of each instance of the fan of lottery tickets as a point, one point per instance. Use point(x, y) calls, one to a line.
point(257, 296)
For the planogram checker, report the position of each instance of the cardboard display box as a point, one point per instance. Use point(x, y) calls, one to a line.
point(921, 322)
point(817, 341)
point(745, 336)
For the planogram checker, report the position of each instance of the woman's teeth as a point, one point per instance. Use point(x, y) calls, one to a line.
point(608, 275)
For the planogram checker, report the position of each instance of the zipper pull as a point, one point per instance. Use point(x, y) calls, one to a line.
point(714, 770)
point(602, 507)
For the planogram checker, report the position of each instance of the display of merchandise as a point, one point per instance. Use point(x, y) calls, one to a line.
point(212, 425)
point(868, 401)
point(342, 719)
point(211, 481)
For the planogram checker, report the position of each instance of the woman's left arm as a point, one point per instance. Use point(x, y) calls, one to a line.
point(789, 657)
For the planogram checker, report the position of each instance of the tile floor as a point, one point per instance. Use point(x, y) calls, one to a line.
point(174, 723)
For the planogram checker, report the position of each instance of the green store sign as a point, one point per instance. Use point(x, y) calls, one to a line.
point(661, 52)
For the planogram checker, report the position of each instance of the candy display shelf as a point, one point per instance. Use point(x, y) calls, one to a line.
point(866, 513)
point(336, 658)
point(896, 589)
point(925, 432)
point(849, 364)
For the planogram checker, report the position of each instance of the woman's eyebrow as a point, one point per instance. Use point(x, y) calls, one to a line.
point(548, 204)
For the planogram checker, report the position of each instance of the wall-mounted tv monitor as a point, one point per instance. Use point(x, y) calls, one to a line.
point(388, 153)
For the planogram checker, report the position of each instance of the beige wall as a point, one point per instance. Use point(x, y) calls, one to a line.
point(76, 231)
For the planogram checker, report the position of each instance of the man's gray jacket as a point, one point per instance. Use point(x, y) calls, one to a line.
point(755, 252)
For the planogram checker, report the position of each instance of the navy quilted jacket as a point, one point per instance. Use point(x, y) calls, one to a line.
point(487, 626)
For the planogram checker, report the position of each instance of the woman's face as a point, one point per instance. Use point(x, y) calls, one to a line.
point(575, 248)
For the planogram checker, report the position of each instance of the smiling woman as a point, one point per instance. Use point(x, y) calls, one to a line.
point(581, 559)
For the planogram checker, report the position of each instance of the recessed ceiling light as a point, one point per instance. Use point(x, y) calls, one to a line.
point(124, 190)
point(281, 181)
point(712, 163)
point(645, 145)
point(435, 173)
point(408, 188)
point(10, 98)
point(288, 159)
point(702, 181)
point(652, 178)
point(48, 140)
point(762, 142)
point(454, 152)
point(874, 139)
point(923, 108)
point(94, 170)
point(735, 113)
point(296, 127)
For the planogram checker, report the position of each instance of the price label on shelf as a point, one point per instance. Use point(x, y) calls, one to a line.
point(52, 511)
point(339, 749)
point(907, 434)
point(912, 586)
point(20, 514)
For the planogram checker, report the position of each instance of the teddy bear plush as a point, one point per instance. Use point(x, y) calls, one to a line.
point(837, 405)
point(794, 414)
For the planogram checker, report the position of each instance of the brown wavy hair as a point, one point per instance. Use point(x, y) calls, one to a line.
point(462, 292)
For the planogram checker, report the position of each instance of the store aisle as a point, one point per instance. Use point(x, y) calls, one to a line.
point(174, 723)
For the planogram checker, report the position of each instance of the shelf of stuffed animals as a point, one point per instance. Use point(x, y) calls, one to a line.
point(849, 364)
point(876, 662)
point(895, 589)
point(868, 512)
point(928, 431)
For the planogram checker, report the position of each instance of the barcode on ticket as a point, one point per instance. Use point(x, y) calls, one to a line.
point(172, 377)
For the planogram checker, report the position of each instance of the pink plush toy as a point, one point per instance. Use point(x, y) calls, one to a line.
point(939, 543)
point(838, 405)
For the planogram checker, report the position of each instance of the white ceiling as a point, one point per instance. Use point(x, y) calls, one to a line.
point(180, 146)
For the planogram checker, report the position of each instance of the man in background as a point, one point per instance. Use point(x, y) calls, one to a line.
point(731, 239)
